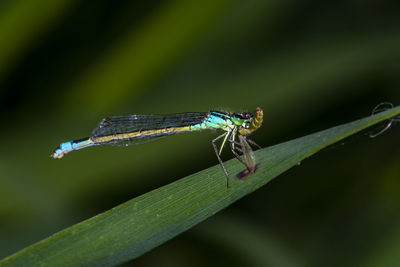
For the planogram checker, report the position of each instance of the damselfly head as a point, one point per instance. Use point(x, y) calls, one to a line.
point(252, 123)
point(242, 119)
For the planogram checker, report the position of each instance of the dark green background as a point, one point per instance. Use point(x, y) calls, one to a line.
point(311, 65)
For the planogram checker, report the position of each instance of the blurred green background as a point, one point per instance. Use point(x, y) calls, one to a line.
point(311, 65)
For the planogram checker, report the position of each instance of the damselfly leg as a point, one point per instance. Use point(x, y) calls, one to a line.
point(218, 152)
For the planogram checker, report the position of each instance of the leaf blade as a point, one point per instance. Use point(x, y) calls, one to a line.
point(133, 228)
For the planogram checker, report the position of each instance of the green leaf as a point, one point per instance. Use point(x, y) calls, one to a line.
point(135, 227)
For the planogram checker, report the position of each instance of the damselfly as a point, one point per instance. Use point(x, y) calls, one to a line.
point(136, 129)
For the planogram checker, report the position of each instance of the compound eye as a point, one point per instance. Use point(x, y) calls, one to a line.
point(244, 116)
point(249, 115)
point(239, 116)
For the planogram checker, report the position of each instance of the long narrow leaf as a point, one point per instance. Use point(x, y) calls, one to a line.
point(135, 227)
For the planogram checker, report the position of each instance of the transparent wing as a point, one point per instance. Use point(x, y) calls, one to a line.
point(248, 158)
point(147, 127)
point(248, 155)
